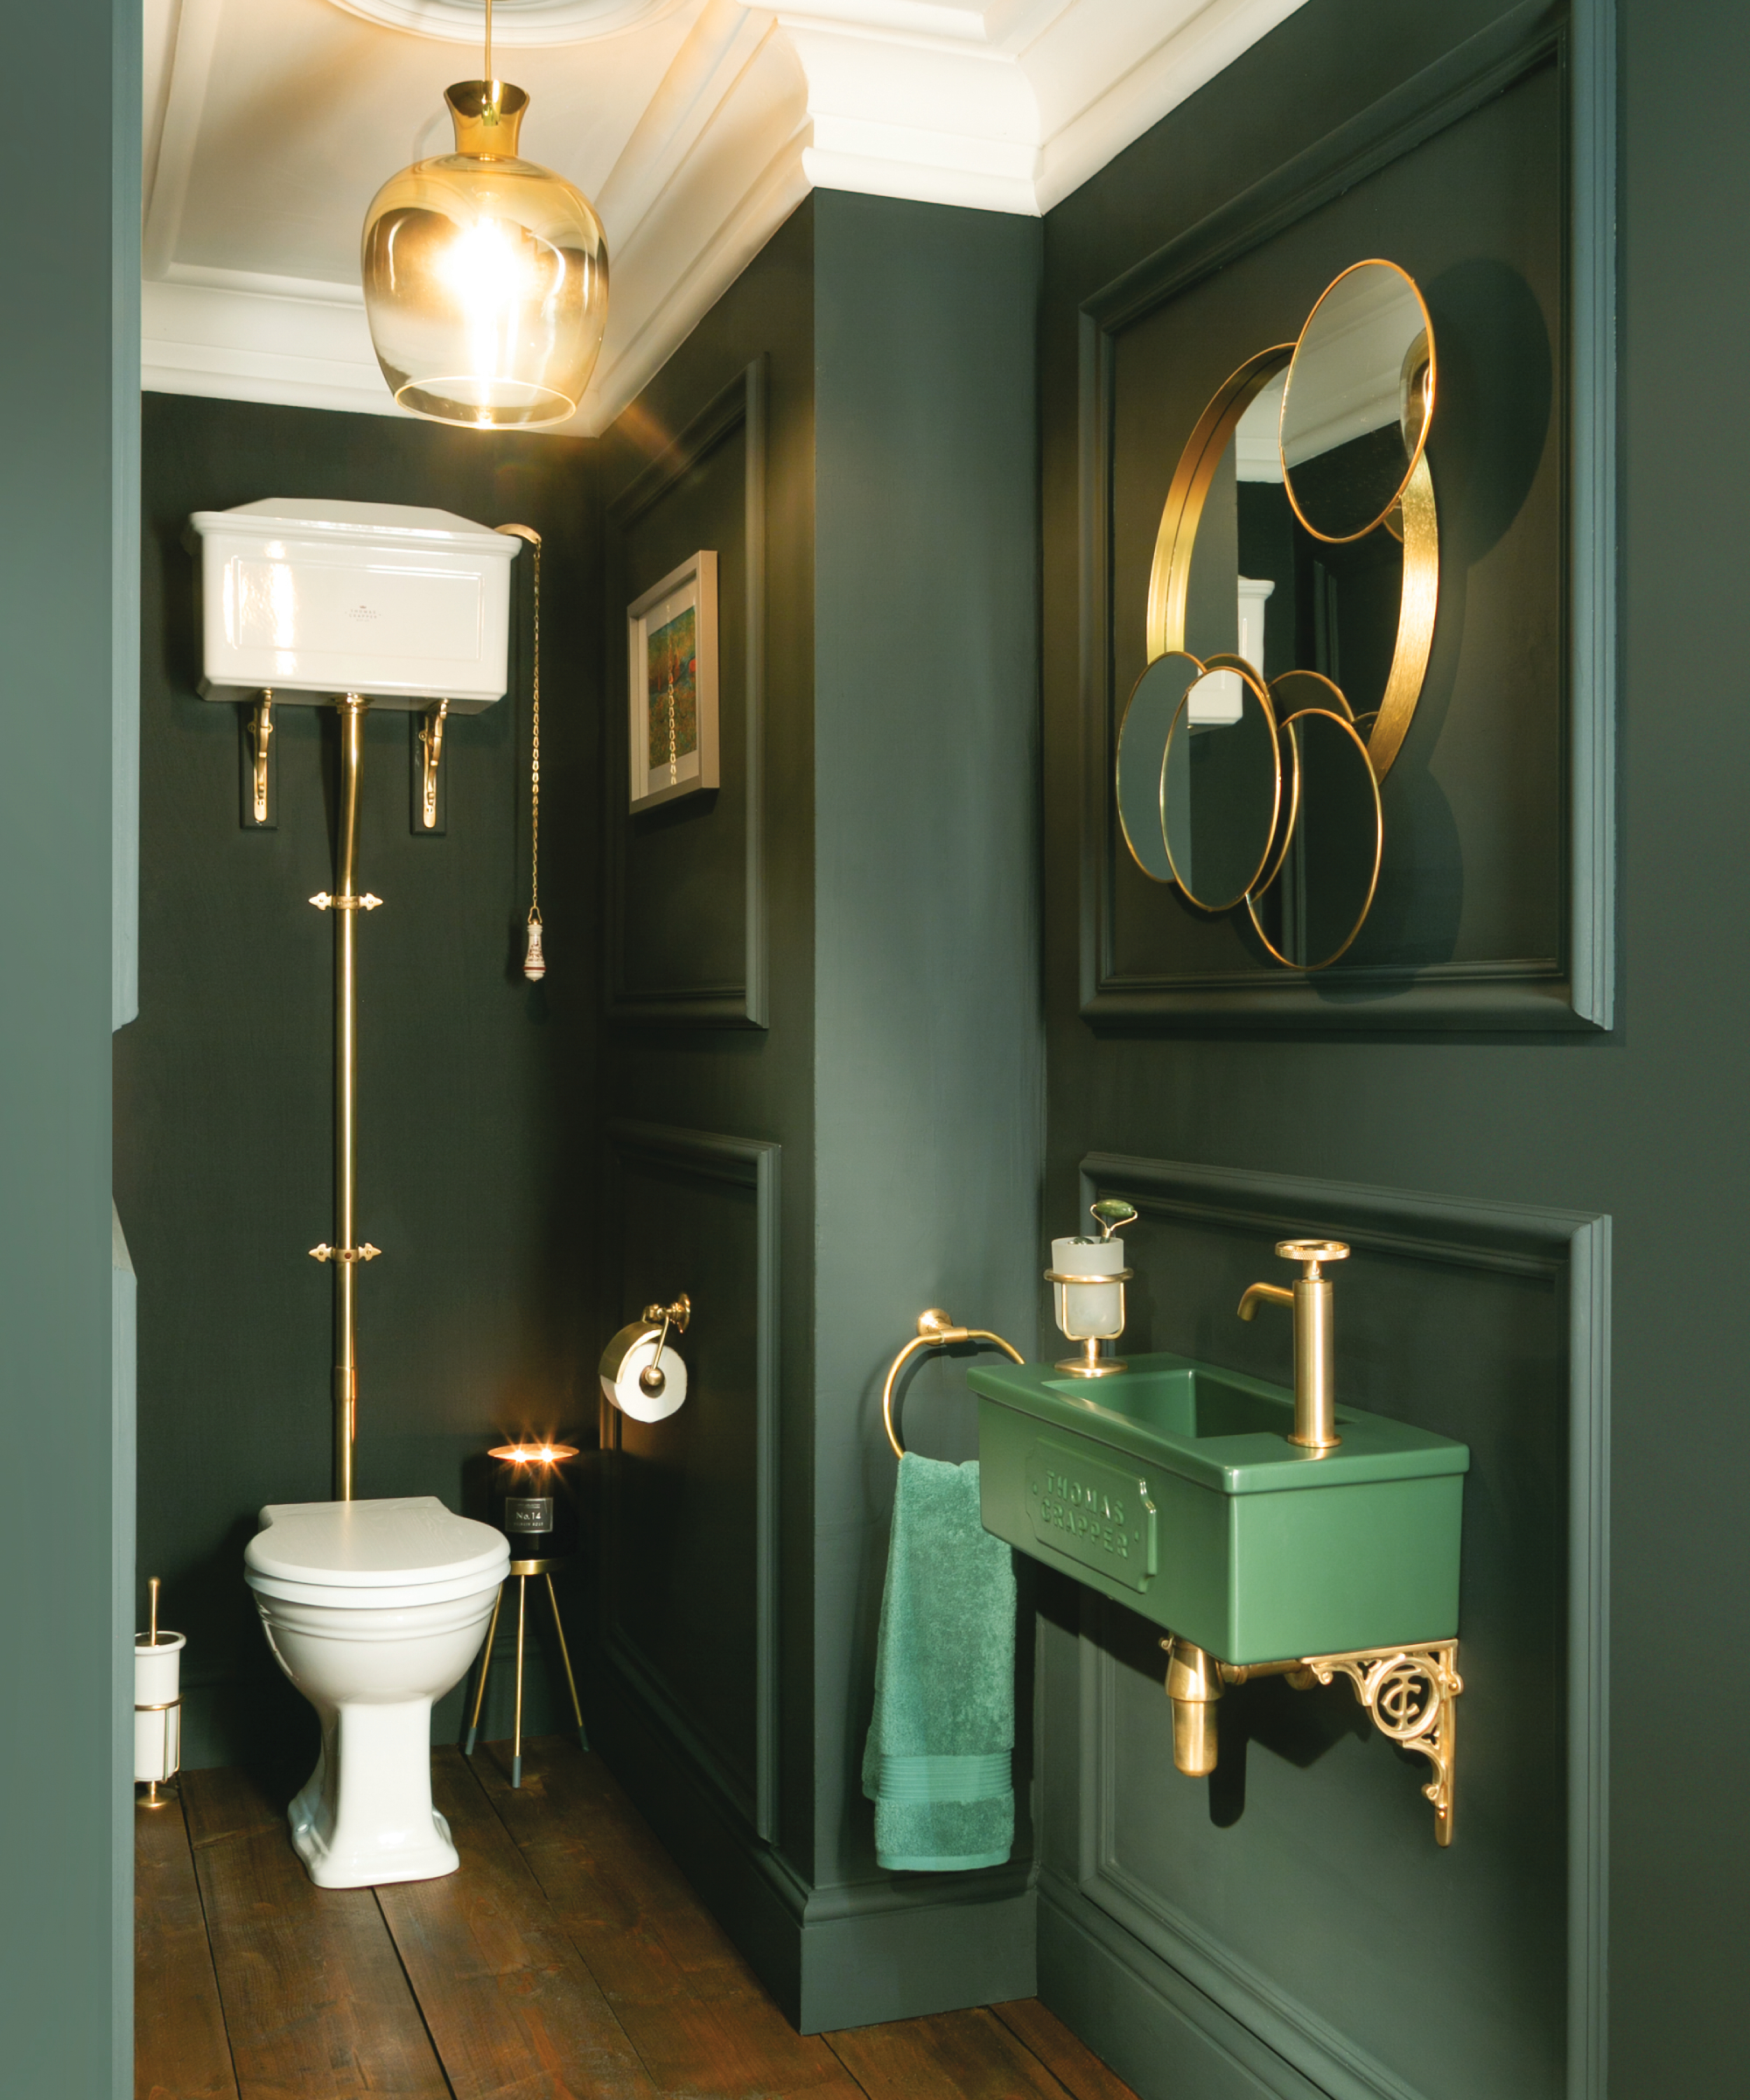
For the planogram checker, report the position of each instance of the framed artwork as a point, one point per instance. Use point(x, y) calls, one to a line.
point(671, 665)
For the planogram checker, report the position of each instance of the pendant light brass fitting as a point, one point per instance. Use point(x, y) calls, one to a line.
point(1411, 1693)
point(484, 275)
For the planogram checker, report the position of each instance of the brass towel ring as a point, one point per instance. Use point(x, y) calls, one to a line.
point(936, 1331)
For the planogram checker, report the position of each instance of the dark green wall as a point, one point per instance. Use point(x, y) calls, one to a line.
point(476, 1087)
point(1319, 1881)
point(899, 1071)
point(69, 364)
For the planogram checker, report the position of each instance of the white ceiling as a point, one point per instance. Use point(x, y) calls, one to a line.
point(696, 125)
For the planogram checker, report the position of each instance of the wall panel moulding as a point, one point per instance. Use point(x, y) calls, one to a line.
point(697, 129)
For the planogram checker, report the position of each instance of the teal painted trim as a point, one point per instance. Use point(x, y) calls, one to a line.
point(1590, 65)
point(741, 405)
point(1519, 1238)
point(757, 1162)
point(124, 527)
point(123, 1356)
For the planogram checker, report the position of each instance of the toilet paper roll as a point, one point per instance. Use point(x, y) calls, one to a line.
point(157, 1683)
point(630, 1398)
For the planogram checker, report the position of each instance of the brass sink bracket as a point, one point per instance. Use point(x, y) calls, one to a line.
point(345, 1253)
point(430, 751)
point(1315, 1368)
point(1410, 1692)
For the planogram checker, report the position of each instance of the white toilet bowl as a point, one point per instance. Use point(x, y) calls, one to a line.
point(373, 1610)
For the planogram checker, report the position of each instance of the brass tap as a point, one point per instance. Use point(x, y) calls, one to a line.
point(1315, 1370)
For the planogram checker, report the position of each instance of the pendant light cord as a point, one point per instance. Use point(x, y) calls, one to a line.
point(489, 72)
point(529, 533)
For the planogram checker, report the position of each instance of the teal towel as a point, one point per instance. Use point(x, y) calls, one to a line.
point(938, 1764)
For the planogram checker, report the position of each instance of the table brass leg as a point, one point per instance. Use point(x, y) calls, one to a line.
point(480, 1689)
point(516, 1735)
point(565, 1657)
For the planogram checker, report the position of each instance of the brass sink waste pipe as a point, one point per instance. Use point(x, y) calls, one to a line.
point(345, 904)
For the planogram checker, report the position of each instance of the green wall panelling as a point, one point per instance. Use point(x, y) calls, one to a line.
point(687, 892)
point(1480, 1320)
point(474, 1132)
point(70, 365)
point(900, 1067)
point(689, 1573)
point(1495, 906)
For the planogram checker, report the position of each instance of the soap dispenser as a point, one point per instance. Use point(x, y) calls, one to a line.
point(1087, 1276)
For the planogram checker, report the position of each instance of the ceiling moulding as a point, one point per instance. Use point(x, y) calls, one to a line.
point(514, 22)
point(1007, 108)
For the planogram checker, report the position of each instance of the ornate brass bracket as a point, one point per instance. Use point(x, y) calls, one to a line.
point(324, 902)
point(260, 734)
point(1411, 1693)
point(325, 1253)
point(430, 751)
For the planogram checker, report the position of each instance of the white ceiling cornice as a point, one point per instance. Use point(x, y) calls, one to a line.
point(266, 121)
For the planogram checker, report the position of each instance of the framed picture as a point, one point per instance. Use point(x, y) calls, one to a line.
point(671, 665)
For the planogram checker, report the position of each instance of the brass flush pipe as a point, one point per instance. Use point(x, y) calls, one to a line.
point(1315, 1365)
point(345, 1254)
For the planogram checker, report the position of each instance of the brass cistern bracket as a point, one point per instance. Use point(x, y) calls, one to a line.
point(325, 902)
point(430, 751)
point(260, 734)
point(1410, 1692)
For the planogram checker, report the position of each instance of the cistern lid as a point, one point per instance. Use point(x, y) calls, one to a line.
point(402, 1543)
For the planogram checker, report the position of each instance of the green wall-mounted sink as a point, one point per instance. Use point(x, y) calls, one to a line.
point(1172, 1487)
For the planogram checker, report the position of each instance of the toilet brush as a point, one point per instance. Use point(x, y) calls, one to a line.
point(157, 1707)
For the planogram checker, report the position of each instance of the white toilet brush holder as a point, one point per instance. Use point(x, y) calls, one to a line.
point(158, 1708)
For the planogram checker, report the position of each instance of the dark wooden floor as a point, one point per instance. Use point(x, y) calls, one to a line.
point(567, 1960)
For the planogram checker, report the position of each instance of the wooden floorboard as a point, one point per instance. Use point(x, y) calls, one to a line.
point(316, 2005)
point(568, 1959)
point(180, 2052)
point(1074, 2065)
point(701, 2021)
point(948, 2056)
point(514, 2012)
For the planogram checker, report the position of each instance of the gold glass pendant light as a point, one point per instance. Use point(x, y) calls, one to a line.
point(485, 276)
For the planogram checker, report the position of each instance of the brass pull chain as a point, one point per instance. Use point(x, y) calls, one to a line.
point(534, 962)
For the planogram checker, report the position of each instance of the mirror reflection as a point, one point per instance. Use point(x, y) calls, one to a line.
point(1142, 757)
point(1309, 914)
point(1263, 588)
point(1221, 788)
point(1357, 401)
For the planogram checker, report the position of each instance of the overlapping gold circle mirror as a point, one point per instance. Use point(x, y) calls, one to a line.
point(1291, 614)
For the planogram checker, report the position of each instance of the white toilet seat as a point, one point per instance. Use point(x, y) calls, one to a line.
point(371, 1556)
point(373, 1610)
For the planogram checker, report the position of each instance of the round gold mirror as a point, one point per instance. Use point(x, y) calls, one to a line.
point(1358, 400)
point(1322, 889)
point(1220, 788)
point(1142, 757)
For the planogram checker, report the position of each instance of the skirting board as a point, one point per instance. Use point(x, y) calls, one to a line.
point(1157, 2031)
point(842, 1957)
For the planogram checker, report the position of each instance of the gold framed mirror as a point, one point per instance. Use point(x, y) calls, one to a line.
point(1316, 900)
point(1298, 553)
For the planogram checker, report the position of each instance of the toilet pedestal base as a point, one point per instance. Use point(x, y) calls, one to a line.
point(365, 1818)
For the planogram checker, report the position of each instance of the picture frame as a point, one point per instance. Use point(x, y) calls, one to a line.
point(671, 637)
